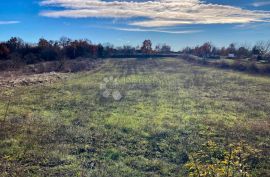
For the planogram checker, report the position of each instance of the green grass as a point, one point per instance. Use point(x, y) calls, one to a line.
point(170, 109)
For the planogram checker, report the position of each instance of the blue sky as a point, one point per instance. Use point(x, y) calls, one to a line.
point(175, 22)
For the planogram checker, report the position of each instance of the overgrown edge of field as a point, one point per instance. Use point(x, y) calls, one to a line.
point(237, 65)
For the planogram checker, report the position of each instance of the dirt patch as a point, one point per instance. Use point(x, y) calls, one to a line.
point(76, 65)
point(46, 72)
point(26, 80)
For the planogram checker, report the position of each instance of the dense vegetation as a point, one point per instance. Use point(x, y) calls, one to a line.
point(21, 52)
point(260, 51)
point(242, 58)
point(174, 119)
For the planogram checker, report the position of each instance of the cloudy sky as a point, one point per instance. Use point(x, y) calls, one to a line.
point(176, 22)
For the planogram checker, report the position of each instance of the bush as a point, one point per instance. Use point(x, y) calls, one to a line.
point(237, 65)
point(213, 160)
point(16, 61)
point(31, 58)
point(253, 68)
point(49, 54)
point(4, 51)
point(224, 65)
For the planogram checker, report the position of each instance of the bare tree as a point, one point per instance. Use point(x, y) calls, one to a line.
point(163, 48)
point(147, 47)
point(243, 52)
point(262, 50)
point(64, 41)
point(231, 49)
point(206, 49)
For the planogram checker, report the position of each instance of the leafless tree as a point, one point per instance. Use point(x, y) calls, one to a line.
point(147, 47)
point(163, 48)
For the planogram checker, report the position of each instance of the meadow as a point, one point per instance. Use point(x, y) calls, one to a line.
point(138, 117)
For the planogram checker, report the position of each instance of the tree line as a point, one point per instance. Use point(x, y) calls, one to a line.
point(16, 49)
point(260, 51)
point(20, 52)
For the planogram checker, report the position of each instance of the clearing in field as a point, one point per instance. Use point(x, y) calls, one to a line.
point(154, 117)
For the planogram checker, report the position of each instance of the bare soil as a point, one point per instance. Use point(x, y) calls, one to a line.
point(45, 72)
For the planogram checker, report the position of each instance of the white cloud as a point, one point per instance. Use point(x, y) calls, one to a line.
point(252, 26)
point(8, 22)
point(156, 13)
point(157, 30)
point(260, 4)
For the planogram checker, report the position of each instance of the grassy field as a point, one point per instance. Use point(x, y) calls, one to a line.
point(173, 119)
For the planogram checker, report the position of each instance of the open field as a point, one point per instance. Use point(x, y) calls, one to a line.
point(173, 118)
